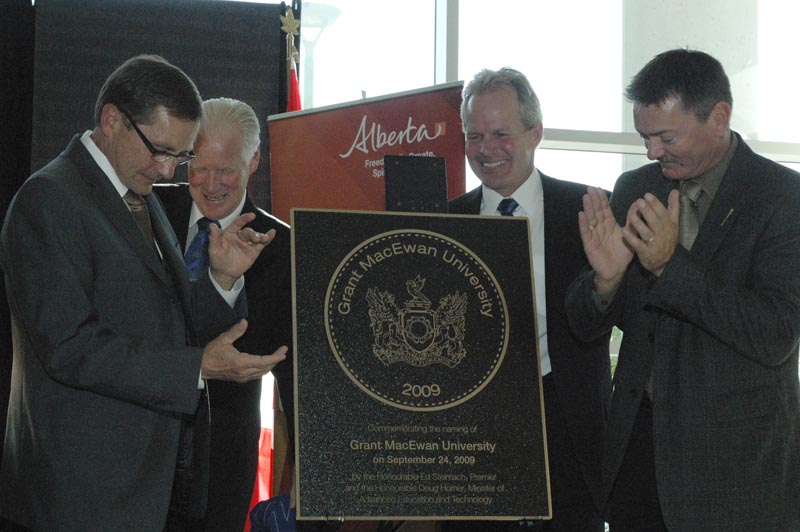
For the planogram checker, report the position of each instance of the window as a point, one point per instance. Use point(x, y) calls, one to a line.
point(579, 56)
point(352, 49)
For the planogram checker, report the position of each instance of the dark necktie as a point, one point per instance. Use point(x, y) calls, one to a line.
point(140, 213)
point(507, 207)
point(689, 223)
point(196, 257)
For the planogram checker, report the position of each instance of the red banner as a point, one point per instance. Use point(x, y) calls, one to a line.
point(332, 157)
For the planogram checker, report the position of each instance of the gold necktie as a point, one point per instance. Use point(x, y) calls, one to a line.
point(689, 223)
point(140, 213)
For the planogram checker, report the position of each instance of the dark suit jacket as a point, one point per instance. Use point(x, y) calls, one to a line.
point(719, 330)
point(233, 405)
point(102, 372)
point(580, 370)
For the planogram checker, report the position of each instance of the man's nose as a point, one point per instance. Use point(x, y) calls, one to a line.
point(166, 169)
point(212, 180)
point(487, 144)
point(655, 149)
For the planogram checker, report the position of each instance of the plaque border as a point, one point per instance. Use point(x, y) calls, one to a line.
point(342, 517)
point(489, 273)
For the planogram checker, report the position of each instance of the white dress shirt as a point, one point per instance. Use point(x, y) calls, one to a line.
point(531, 205)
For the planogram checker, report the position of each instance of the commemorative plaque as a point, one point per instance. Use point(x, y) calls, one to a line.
point(417, 383)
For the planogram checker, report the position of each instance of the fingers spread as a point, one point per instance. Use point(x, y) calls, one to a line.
point(254, 238)
point(240, 222)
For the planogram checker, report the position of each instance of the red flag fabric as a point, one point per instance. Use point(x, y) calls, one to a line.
point(293, 99)
point(261, 490)
point(273, 462)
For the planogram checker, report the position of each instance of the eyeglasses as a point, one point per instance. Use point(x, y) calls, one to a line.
point(158, 155)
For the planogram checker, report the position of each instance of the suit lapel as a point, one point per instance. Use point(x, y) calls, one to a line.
point(554, 216)
point(172, 254)
point(475, 199)
point(177, 203)
point(726, 207)
point(469, 203)
point(555, 220)
point(168, 243)
point(103, 194)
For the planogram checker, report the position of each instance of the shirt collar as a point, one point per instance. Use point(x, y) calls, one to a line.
point(528, 195)
point(711, 179)
point(103, 162)
point(225, 222)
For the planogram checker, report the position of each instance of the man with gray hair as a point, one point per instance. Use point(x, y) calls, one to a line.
point(502, 123)
point(227, 153)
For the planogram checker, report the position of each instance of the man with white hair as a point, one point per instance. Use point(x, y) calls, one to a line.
point(227, 153)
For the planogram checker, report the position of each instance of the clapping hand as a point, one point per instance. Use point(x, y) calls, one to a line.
point(602, 240)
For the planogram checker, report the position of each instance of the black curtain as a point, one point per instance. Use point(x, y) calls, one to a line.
point(49, 84)
point(16, 95)
point(231, 49)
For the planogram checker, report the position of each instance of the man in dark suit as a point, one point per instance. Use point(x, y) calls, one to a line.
point(704, 432)
point(227, 154)
point(503, 126)
point(106, 379)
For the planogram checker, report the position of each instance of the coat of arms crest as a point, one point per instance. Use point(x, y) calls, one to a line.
point(417, 334)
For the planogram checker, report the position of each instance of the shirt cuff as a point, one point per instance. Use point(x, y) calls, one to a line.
point(230, 296)
point(602, 302)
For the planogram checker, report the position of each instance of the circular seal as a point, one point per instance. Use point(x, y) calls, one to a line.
point(416, 320)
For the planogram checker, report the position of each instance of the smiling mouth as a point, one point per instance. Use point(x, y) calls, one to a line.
point(218, 197)
point(493, 165)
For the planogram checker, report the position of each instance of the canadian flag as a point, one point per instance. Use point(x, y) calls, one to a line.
point(291, 26)
point(293, 97)
point(274, 473)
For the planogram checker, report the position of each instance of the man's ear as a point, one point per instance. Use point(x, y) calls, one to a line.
point(111, 118)
point(721, 117)
point(538, 132)
point(254, 161)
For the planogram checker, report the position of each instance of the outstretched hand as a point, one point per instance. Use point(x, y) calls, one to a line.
point(231, 252)
point(602, 240)
point(222, 361)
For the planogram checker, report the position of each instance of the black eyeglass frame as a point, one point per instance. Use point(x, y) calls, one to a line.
point(159, 156)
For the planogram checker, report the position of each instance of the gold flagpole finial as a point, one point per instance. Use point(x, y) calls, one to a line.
point(290, 24)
